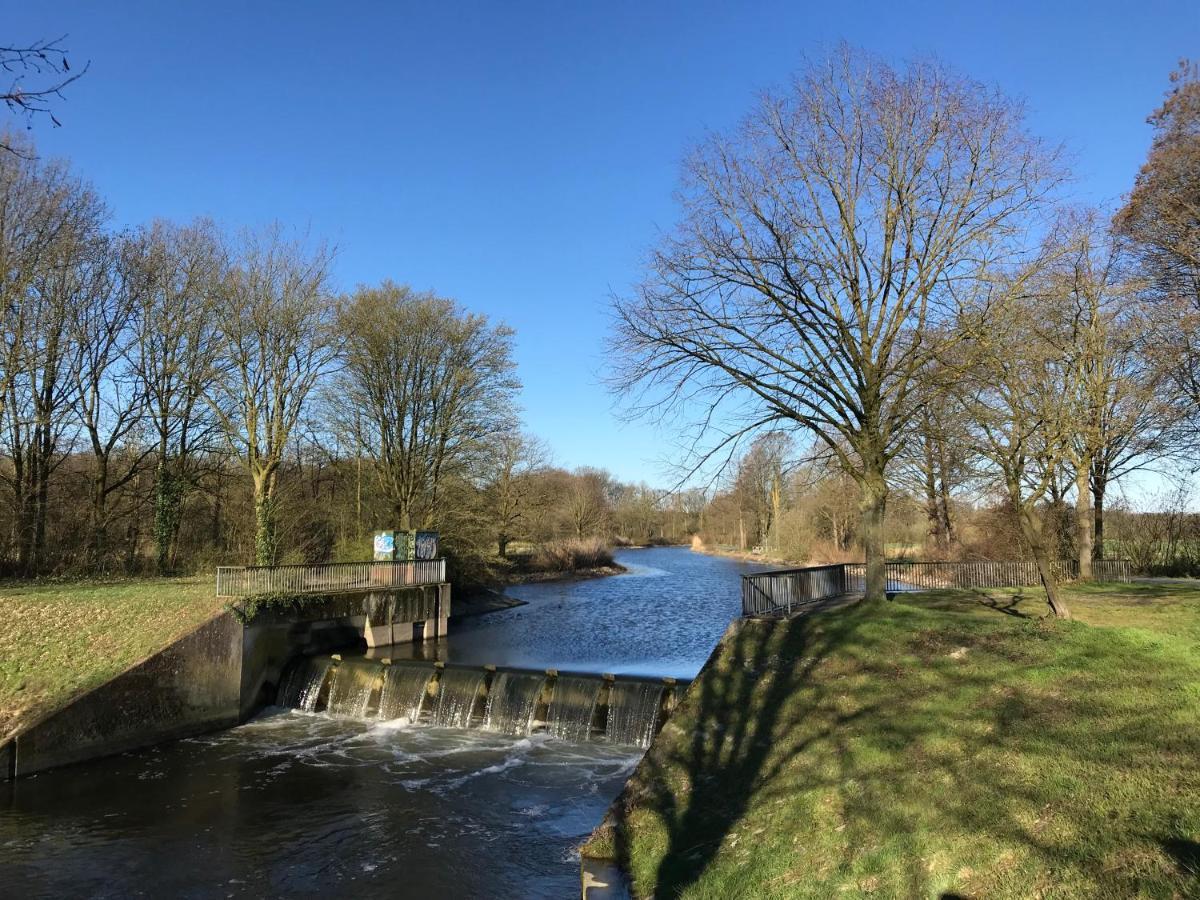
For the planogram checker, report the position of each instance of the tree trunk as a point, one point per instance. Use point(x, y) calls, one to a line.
point(1084, 520)
point(100, 513)
point(1098, 517)
point(264, 520)
point(167, 499)
point(933, 512)
point(1034, 536)
point(873, 506)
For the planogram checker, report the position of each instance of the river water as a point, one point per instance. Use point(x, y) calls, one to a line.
point(304, 804)
point(663, 617)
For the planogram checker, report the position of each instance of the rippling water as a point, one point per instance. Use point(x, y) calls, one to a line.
point(299, 804)
point(661, 618)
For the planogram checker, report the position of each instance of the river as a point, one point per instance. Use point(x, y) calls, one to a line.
point(303, 804)
point(663, 617)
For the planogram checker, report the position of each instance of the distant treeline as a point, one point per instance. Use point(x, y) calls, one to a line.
point(177, 396)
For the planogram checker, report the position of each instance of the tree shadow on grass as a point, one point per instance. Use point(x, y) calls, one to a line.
point(727, 756)
point(1018, 605)
point(1185, 853)
point(919, 734)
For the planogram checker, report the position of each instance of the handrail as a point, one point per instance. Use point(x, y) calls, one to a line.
point(786, 590)
point(244, 581)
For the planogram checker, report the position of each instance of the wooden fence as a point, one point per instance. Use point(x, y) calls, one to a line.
point(791, 589)
point(245, 581)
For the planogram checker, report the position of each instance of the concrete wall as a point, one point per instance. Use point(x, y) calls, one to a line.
point(192, 686)
point(215, 677)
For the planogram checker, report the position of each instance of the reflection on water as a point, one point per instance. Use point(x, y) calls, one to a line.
point(662, 618)
point(300, 804)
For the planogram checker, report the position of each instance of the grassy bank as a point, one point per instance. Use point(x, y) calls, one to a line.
point(58, 640)
point(944, 745)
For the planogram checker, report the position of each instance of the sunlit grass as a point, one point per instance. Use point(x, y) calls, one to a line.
point(60, 639)
point(950, 744)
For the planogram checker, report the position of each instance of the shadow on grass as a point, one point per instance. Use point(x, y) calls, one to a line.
point(739, 752)
point(1037, 741)
point(1185, 853)
point(966, 601)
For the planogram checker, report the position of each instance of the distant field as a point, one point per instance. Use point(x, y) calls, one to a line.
point(59, 639)
point(953, 744)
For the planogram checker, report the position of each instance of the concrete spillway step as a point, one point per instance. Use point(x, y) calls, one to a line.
point(573, 707)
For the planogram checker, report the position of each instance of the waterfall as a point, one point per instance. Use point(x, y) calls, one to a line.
point(302, 687)
point(572, 707)
point(457, 692)
point(633, 712)
point(351, 689)
point(367, 689)
point(404, 689)
point(512, 702)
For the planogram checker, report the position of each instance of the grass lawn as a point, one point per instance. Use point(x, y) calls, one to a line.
point(951, 744)
point(59, 639)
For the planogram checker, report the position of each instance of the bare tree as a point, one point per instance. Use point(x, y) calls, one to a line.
point(1161, 222)
point(1092, 317)
point(585, 505)
point(179, 271)
point(110, 396)
point(427, 389)
point(275, 340)
point(38, 72)
point(509, 491)
point(1015, 388)
point(821, 245)
point(54, 220)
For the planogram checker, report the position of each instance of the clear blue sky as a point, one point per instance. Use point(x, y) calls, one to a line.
point(521, 157)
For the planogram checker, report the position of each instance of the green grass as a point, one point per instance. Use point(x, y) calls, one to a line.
point(60, 639)
point(944, 745)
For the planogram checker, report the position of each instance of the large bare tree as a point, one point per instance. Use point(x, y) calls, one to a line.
point(179, 271)
point(821, 244)
point(275, 340)
point(427, 389)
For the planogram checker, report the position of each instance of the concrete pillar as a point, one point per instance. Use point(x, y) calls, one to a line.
point(377, 635)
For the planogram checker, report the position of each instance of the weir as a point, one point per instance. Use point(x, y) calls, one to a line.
point(572, 707)
point(633, 709)
point(403, 692)
point(575, 707)
point(458, 691)
point(512, 702)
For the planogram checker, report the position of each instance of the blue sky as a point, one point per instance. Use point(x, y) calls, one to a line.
point(521, 157)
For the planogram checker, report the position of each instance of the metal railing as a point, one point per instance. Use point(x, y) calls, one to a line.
point(245, 581)
point(789, 590)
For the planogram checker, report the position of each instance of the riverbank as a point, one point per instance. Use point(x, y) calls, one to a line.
point(61, 639)
point(757, 558)
point(952, 743)
point(564, 574)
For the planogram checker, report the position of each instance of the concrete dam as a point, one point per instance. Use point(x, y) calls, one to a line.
point(625, 711)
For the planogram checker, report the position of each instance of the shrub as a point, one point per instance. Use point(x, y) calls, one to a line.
point(571, 555)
